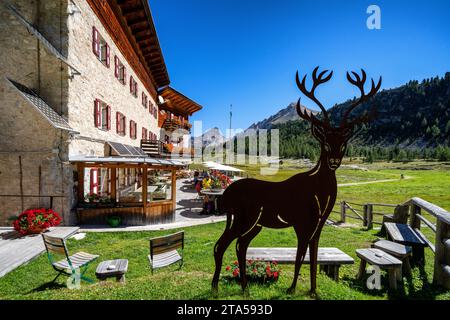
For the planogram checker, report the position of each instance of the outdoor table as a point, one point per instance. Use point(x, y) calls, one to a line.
point(120, 268)
point(214, 194)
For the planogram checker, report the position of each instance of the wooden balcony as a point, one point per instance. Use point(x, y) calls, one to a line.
point(160, 149)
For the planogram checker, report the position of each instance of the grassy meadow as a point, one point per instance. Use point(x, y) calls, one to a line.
point(192, 281)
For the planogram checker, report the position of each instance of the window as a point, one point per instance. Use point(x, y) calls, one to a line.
point(120, 72)
point(120, 123)
point(133, 87)
point(144, 100)
point(102, 115)
point(133, 129)
point(144, 133)
point(100, 47)
point(153, 110)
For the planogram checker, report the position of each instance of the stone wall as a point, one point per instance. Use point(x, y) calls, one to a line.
point(32, 152)
point(98, 81)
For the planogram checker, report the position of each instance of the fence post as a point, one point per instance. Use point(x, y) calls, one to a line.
point(342, 211)
point(441, 274)
point(418, 252)
point(369, 216)
point(365, 215)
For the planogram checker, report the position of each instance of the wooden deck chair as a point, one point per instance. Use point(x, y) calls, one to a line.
point(163, 250)
point(69, 264)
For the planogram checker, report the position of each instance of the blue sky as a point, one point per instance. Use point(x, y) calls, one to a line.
point(246, 52)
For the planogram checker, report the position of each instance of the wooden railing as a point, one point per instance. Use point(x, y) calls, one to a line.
point(441, 247)
point(412, 210)
point(157, 148)
point(153, 148)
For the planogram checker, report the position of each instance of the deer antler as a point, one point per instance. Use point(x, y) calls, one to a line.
point(306, 114)
point(359, 82)
point(317, 80)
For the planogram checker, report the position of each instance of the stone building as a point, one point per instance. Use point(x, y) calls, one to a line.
point(84, 92)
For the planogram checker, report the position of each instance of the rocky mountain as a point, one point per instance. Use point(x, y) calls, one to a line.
point(284, 115)
point(211, 137)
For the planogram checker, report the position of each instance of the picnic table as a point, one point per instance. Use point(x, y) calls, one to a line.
point(328, 259)
point(214, 195)
point(404, 234)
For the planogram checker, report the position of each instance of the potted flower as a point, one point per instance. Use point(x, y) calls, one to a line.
point(35, 221)
point(216, 185)
point(92, 197)
point(256, 271)
point(114, 221)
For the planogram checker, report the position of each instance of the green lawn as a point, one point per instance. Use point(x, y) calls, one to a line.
point(193, 280)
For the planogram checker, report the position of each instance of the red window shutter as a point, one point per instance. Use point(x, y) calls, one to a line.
point(116, 67)
point(131, 84)
point(95, 42)
point(108, 121)
point(124, 75)
point(143, 99)
point(97, 115)
point(108, 60)
point(124, 123)
point(118, 122)
point(135, 88)
point(131, 128)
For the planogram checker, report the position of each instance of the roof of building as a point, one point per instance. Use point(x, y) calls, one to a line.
point(176, 102)
point(40, 105)
point(139, 20)
point(131, 160)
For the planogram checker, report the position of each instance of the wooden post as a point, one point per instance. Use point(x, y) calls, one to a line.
point(369, 216)
point(342, 211)
point(365, 208)
point(418, 252)
point(80, 170)
point(441, 274)
point(174, 189)
point(113, 181)
point(21, 183)
point(144, 187)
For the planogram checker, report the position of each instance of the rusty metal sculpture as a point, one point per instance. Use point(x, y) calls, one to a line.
point(303, 201)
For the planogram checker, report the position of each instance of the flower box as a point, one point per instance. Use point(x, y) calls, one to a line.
point(35, 221)
point(256, 270)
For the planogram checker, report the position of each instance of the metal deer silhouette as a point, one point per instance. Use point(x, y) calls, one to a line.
point(303, 201)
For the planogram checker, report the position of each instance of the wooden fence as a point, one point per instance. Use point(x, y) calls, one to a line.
point(368, 212)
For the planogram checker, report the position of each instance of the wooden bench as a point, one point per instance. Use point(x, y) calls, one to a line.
point(383, 260)
point(397, 250)
point(404, 234)
point(328, 259)
point(163, 250)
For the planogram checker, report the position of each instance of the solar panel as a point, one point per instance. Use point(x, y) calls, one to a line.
point(55, 119)
point(120, 149)
point(140, 152)
point(127, 150)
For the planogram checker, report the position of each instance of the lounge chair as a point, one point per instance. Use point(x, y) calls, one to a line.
point(163, 250)
point(70, 264)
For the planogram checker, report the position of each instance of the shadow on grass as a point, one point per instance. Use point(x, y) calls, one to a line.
point(410, 288)
point(47, 286)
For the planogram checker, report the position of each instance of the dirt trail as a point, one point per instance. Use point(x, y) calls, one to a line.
point(370, 182)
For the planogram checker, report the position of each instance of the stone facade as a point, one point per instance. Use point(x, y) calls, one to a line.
point(33, 154)
point(98, 82)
